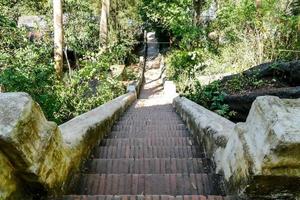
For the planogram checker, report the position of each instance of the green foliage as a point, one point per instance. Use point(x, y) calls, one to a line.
point(249, 34)
point(14, 9)
point(81, 28)
point(243, 35)
point(176, 16)
point(169, 14)
point(88, 88)
point(233, 17)
point(131, 73)
point(124, 23)
point(27, 66)
point(211, 97)
point(243, 83)
point(184, 66)
point(184, 62)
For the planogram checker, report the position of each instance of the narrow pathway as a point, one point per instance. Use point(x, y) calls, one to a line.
point(149, 155)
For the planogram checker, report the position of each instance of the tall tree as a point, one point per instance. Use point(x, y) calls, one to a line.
point(104, 23)
point(58, 37)
point(198, 6)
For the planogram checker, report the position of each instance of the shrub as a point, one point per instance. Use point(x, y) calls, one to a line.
point(27, 66)
point(245, 35)
point(211, 97)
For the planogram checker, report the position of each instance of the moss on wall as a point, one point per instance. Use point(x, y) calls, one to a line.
point(8, 183)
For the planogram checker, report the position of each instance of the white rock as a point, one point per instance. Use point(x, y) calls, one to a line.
point(267, 144)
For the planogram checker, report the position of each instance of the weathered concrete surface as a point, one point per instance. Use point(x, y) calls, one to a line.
point(260, 158)
point(262, 155)
point(31, 143)
point(210, 129)
point(8, 183)
point(101, 118)
point(41, 155)
point(82, 133)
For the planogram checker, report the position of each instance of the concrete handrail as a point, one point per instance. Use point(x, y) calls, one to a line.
point(259, 158)
point(209, 128)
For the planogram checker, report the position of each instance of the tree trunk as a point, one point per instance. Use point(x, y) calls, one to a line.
point(258, 4)
point(58, 37)
point(104, 23)
point(198, 5)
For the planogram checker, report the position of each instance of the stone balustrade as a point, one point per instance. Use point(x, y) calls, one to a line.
point(259, 158)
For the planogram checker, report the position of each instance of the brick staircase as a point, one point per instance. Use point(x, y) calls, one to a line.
point(149, 155)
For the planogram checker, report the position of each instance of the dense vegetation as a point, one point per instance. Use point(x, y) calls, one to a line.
point(207, 37)
point(27, 65)
point(227, 37)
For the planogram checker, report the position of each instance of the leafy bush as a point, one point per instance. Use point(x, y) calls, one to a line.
point(31, 70)
point(173, 15)
point(27, 66)
point(183, 62)
point(244, 34)
point(81, 28)
point(251, 34)
point(211, 97)
point(243, 83)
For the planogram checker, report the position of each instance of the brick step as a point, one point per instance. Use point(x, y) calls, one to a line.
point(161, 127)
point(154, 141)
point(149, 166)
point(113, 152)
point(151, 122)
point(151, 114)
point(138, 109)
point(143, 197)
point(150, 184)
point(148, 134)
point(141, 117)
point(150, 110)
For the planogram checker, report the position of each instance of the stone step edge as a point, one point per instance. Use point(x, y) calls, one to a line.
point(145, 131)
point(186, 141)
point(141, 197)
point(160, 137)
point(209, 174)
point(140, 159)
point(206, 163)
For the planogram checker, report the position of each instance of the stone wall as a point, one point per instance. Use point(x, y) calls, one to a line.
point(262, 156)
point(37, 156)
point(8, 183)
point(30, 144)
point(41, 155)
point(259, 158)
point(209, 129)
